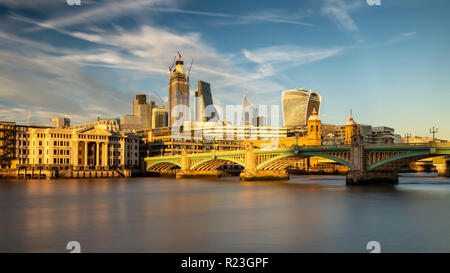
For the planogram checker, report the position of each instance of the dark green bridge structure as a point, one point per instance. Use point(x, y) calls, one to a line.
point(368, 163)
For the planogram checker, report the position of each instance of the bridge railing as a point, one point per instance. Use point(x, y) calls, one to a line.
point(403, 145)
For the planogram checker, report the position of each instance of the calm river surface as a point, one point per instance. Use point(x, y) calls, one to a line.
point(304, 214)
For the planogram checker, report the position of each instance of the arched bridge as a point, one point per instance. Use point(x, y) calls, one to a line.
point(367, 162)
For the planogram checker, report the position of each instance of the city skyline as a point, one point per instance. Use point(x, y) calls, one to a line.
point(90, 60)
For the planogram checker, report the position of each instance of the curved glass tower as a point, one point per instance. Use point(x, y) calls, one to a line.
point(298, 105)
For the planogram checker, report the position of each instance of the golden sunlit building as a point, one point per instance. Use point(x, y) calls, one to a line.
point(178, 90)
point(98, 145)
point(351, 129)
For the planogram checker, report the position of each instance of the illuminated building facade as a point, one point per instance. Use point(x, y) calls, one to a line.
point(98, 145)
point(204, 102)
point(298, 106)
point(160, 117)
point(178, 91)
point(351, 129)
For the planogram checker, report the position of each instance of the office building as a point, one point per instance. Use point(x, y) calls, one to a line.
point(160, 117)
point(298, 106)
point(7, 144)
point(204, 106)
point(178, 92)
point(141, 115)
point(249, 112)
point(60, 122)
point(383, 134)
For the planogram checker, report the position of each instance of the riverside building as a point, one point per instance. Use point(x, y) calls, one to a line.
point(95, 145)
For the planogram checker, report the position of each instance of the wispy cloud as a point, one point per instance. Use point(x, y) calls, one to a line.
point(100, 12)
point(399, 38)
point(58, 80)
point(187, 11)
point(267, 16)
point(339, 12)
point(278, 58)
point(108, 10)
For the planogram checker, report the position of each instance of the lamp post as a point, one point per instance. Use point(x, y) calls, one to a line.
point(434, 131)
point(407, 136)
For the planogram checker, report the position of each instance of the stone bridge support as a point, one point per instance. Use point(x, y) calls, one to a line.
point(442, 165)
point(358, 174)
point(251, 173)
point(186, 172)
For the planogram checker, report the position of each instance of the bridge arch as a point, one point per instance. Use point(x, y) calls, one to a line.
point(285, 160)
point(404, 158)
point(331, 157)
point(214, 163)
point(163, 166)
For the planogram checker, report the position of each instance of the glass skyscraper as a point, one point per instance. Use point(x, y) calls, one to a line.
point(298, 105)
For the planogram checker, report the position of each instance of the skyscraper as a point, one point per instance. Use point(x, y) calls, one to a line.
point(298, 105)
point(159, 117)
point(178, 91)
point(141, 116)
point(60, 122)
point(249, 112)
point(203, 101)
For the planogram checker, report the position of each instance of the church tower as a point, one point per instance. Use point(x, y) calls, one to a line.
point(178, 90)
point(351, 129)
point(314, 136)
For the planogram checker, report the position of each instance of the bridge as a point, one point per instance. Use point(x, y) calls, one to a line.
point(368, 163)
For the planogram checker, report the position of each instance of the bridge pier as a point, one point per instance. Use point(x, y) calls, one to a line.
point(359, 175)
point(365, 178)
point(252, 175)
point(442, 165)
point(200, 174)
point(443, 169)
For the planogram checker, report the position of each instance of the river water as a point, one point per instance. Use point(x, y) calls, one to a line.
point(304, 214)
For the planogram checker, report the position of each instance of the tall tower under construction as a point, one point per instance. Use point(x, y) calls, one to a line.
point(178, 90)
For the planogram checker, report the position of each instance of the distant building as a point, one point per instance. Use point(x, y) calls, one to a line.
point(178, 91)
point(314, 125)
point(338, 134)
point(249, 112)
point(261, 121)
point(421, 140)
point(160, 117)
point(351, 129)
point(117, 119)
point(204, 102)
point(383, 134)
point(298, 106)
point(94, 145)
point(7, 144)
point(141, 116)
point(130, 122)
point(60, 122)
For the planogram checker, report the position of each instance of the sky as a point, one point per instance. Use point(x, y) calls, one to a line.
point(387, 63)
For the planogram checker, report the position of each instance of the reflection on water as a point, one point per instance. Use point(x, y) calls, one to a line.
point(305, 214)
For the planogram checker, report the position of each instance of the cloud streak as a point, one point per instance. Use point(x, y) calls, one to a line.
point(339, 12)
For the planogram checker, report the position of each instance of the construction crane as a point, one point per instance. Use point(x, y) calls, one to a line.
point(163, 102)
point(189, 71)
point(172, 65)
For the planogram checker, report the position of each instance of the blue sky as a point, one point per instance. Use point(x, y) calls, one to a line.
point(388, 63)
